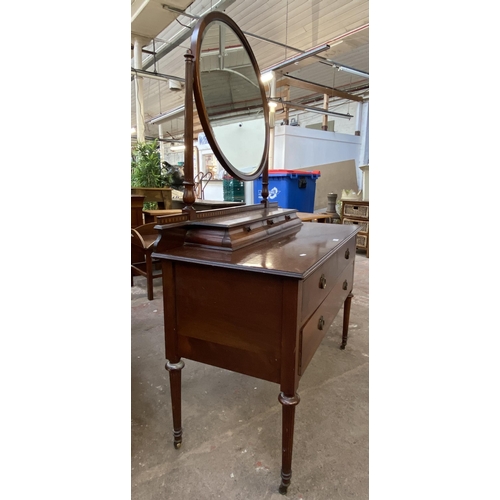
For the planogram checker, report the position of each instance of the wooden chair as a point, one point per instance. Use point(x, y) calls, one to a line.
point(143, 264)
point(137, 203)
point(200, 182)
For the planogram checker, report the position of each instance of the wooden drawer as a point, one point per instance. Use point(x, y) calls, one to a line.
point(314, 330)
point(351, 210)
point(363, 225)
point(317, 286)
point(345, 254)
point(361, 240)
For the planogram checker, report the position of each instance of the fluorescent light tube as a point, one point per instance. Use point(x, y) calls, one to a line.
point(266, 77)
point(299, 57)
point(353, 71)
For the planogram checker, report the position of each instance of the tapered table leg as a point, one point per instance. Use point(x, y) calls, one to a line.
point(174, 371)
point(345, 326)
point(289, 404)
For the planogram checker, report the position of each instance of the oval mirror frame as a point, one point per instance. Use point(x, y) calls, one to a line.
point(196, 41)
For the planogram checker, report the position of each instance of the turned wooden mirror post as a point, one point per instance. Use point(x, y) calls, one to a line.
point(189, 196)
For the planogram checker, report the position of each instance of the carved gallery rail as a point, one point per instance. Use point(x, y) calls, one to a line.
point(261, 310)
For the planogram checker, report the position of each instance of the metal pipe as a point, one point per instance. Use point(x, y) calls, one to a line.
point(353, 71)
point(145, 51)
point(169, 114)
point(160, 136)
point(139, 97)
point(185, 32)
point(322, 59)
point(298, 57)
point(357, 128)
point(325, 117)
point(272, 93)
point(165, 50)
point(222, 45)
point(312, 109)
point(155, 76)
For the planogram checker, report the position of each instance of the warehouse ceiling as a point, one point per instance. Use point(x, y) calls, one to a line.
point(277, 30)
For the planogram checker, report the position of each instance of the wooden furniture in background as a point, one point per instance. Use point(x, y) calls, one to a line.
point(162, 196)
point(357, 213)
point(136, 216)
point(208, 204)
point(152, 215)
point(143, 263)
point(310, 217)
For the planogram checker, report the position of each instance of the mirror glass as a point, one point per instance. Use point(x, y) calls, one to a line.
point(233, 100)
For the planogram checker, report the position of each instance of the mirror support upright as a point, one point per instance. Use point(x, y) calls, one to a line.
point(189, 196)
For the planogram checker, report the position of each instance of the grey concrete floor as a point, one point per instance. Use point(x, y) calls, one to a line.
point(232, 423)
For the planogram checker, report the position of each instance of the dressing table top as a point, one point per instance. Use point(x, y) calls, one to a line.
point(295, 255)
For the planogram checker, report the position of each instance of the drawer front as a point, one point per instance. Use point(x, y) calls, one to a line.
point(355, 211)
point(361, 240)
point(319, 284)
point(363, 225)
point(315, 329)
point(346, 254)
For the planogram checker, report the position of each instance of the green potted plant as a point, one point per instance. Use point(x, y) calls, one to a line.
point(149, 178)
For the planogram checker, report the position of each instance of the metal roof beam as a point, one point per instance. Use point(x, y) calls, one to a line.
point(183, 36)
point(320, 89)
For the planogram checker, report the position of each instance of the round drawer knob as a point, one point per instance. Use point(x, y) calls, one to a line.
point(347, 254)
point(344, 285)
point(321, 323)
point(322, 281)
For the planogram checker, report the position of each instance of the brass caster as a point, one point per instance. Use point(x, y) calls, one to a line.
point(283, 489)
point(177, 445)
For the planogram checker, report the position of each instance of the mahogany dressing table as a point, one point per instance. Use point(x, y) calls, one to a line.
point(250, 289)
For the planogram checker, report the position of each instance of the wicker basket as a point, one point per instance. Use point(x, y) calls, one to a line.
point(363, 225)
point(356, 211)
point(361, 240)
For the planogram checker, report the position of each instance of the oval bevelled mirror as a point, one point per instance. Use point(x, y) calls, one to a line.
point(230, 97)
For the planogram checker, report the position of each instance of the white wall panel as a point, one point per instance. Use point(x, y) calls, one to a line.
point(299, 147)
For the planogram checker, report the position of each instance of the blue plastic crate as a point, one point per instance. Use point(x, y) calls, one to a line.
point(290, 188)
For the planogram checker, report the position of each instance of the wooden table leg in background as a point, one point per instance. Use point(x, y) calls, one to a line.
point(347, 313)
